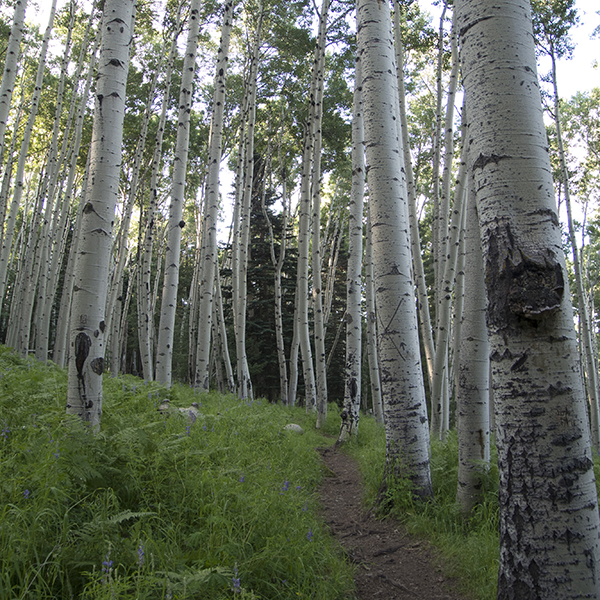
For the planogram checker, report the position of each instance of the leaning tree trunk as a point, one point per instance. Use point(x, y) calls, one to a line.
point(166, 327)
point(352, 388)
point(87, 323)
point(549, 522)
point(406, 424)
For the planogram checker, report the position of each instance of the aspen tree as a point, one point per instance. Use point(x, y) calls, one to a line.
point(59, 352)
point(277, 262)
point(421, 284)
point(472, 393)
point(84, 395)
point(317, 284)
point(548, 507)
point(353, 317)
point(551, 26)
point(166, 327)
point(244, 383)
point(372, 354)
point(9, 226)
point(407, 432)
point(9, 75)
point(209, 256)
point(304, 222)
point(145, 296)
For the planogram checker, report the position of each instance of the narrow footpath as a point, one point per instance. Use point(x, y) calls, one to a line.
point(390, 564)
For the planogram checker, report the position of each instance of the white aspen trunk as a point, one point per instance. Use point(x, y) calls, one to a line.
point(222, 330)
point(419, 270)
point(591, 367)
point(60, 353)
point(336, 242)
point(439, 392)
point(166, 328)
point(549, 522)
point(9, 75)
point(244, 384)
point(437, 158)
point(301, 315)
point(87, 323)
point(209, 258)
point(317, 284)
point(277, 271)
point(459, 299)
point(237, 225)
point(448, 149)
point(372, 354)
point(121, 252)
point(352, 387)
point(18, 334)
point(472, 393)
point(294, 351)
point(4, 189)
point(146, 298)
point(9, 227)
point(52, 233)
point(407, 432)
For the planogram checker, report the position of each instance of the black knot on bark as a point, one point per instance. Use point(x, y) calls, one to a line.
point(522, 282)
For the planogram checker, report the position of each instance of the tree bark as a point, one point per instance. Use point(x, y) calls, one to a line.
point(84, 396)
point(407, 433)
point(549, 523)
point(166, 328)
point(352, 387)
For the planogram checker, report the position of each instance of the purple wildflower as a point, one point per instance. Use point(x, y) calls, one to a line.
point(26, 493)
point(242, 479)
point(309, 535)
point(237, 589)
point(140, 554)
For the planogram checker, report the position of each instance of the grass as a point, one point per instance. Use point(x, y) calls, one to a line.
point(156, 506)
point(469, 546)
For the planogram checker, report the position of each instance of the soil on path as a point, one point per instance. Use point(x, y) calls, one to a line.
point(390, 564)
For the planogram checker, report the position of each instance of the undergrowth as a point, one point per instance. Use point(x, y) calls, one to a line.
point(469, 545)
point(218, 506)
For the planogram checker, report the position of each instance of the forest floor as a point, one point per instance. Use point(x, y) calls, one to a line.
point(390, 563)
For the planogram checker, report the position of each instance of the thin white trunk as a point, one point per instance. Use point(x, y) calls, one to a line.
point(277, 262)
point(9, 227)
point(591, 367)
point(439, 392)
point(472, 393)
point(166, 328)
point(146, 329)
point(9, 75)
point(87, 324)
point(209, 256)
point(419, 270)
point(372, 354)
point(407, 432)
point(244, 384)
point(352, 387)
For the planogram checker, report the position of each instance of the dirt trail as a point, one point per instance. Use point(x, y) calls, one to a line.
point(390, 564)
